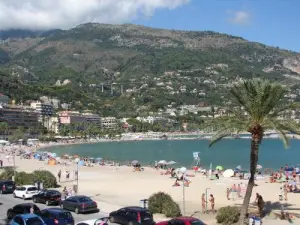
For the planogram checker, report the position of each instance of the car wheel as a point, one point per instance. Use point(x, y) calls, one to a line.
point(112, 219)
point(23, 197)
point(76, 210)
point(14, 195)
point(47, 202)
point(130, 223)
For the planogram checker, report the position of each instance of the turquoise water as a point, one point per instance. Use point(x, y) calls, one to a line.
point(228, 152)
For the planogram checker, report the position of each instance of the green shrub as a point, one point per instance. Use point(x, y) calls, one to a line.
point(46, 177)
point(7, 174)
point(228, 215)
point(171, 209)
point(161, 202)
point(22, 178)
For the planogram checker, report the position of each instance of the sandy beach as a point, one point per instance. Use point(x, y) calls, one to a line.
point(117, 186)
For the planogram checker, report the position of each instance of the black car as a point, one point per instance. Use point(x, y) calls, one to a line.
point(79, 204)
point(48, 197)
point(22, 209)
point(7, 186)
point(133, 215)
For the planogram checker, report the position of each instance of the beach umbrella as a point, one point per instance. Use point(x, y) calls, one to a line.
point(134, 162)
point(228, 173)
point(219, 167)
point(163, 162)
point(171, 162)
point(259, 167)
point(239, 167)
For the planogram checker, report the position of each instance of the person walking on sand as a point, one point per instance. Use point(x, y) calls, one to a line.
point(203, 200)
point(212, 203)
point(285, 189)
point(59, 175)
point(228, 193)
point(239, 190)
point(260, 205)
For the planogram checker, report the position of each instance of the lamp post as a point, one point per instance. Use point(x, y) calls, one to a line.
point(183, 171)
point(77, 174)
point(206, 192)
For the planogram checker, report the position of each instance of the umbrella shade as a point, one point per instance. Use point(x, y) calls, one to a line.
point(239, 167)
point(171, 162)
point(219, 167)
point(259, 167)
point(228, 173)
point(134, 162)
point(163, 162)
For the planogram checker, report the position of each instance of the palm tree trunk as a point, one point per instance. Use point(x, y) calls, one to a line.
point(253, 165)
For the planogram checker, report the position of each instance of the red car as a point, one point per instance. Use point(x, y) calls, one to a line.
point(183, 220)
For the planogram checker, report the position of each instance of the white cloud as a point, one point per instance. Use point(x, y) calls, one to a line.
point(47, 14)
point(239, 17)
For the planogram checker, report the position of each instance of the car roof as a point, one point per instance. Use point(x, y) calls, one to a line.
point(27, 186)
point(79, 196)
point(186, 218)
point(25, 204)
point(135, 208)
point(28, 216)
point(55, 210)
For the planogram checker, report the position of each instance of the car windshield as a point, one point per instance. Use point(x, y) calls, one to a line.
point(84, 199)
point(32, 189)
point(54, 193)
point(8, 183)
point(64, 215)
point(35, 209)
point(34, 221)
point(197, 222)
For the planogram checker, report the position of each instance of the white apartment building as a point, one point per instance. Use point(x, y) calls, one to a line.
point(108, 123)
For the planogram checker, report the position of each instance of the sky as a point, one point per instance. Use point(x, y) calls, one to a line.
point(272, 22)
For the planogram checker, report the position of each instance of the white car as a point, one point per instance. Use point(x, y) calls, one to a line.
point(99, 221)
point(25, 191)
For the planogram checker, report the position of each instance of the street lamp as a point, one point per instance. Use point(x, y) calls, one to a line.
point(183, 171)
point(206, 192)
point(77, 160)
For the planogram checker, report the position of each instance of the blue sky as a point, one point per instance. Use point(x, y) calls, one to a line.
point(271, 22)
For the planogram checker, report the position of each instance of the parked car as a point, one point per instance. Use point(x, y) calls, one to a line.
point(22, 209)
point(48, 197)
point(7, 186)
point(94, 221)
point(133, 215)
point(79, 204)
point(183, 220)
point(27, 219)
point(57, 216)
point(25, 191)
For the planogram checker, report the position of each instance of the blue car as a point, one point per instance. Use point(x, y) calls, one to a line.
point(57, 216)
point(27, 219)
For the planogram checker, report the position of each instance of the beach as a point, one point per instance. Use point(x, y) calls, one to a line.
point(116, 186)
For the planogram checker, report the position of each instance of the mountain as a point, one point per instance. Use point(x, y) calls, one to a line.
point(176, 66)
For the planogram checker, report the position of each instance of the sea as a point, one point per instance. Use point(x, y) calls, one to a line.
point(228, 153)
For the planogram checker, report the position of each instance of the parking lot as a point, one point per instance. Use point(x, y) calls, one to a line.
point(7, 201)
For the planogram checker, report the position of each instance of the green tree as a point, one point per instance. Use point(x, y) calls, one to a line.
point(4, 128)
point(260, 103)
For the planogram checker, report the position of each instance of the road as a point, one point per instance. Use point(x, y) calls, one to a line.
point(7, 201)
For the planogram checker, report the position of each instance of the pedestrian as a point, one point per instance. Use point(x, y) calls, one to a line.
point(260, 205)
point(228, 193)
point(1, 163)
point(203, 200)
point(239, 190)
point(31, 210)
point(67, 175)
point(286, 189)
point(212, 203)
point(59, 175)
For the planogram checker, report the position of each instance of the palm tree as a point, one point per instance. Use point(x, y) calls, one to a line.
point(260, 105)
point(4, 128)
